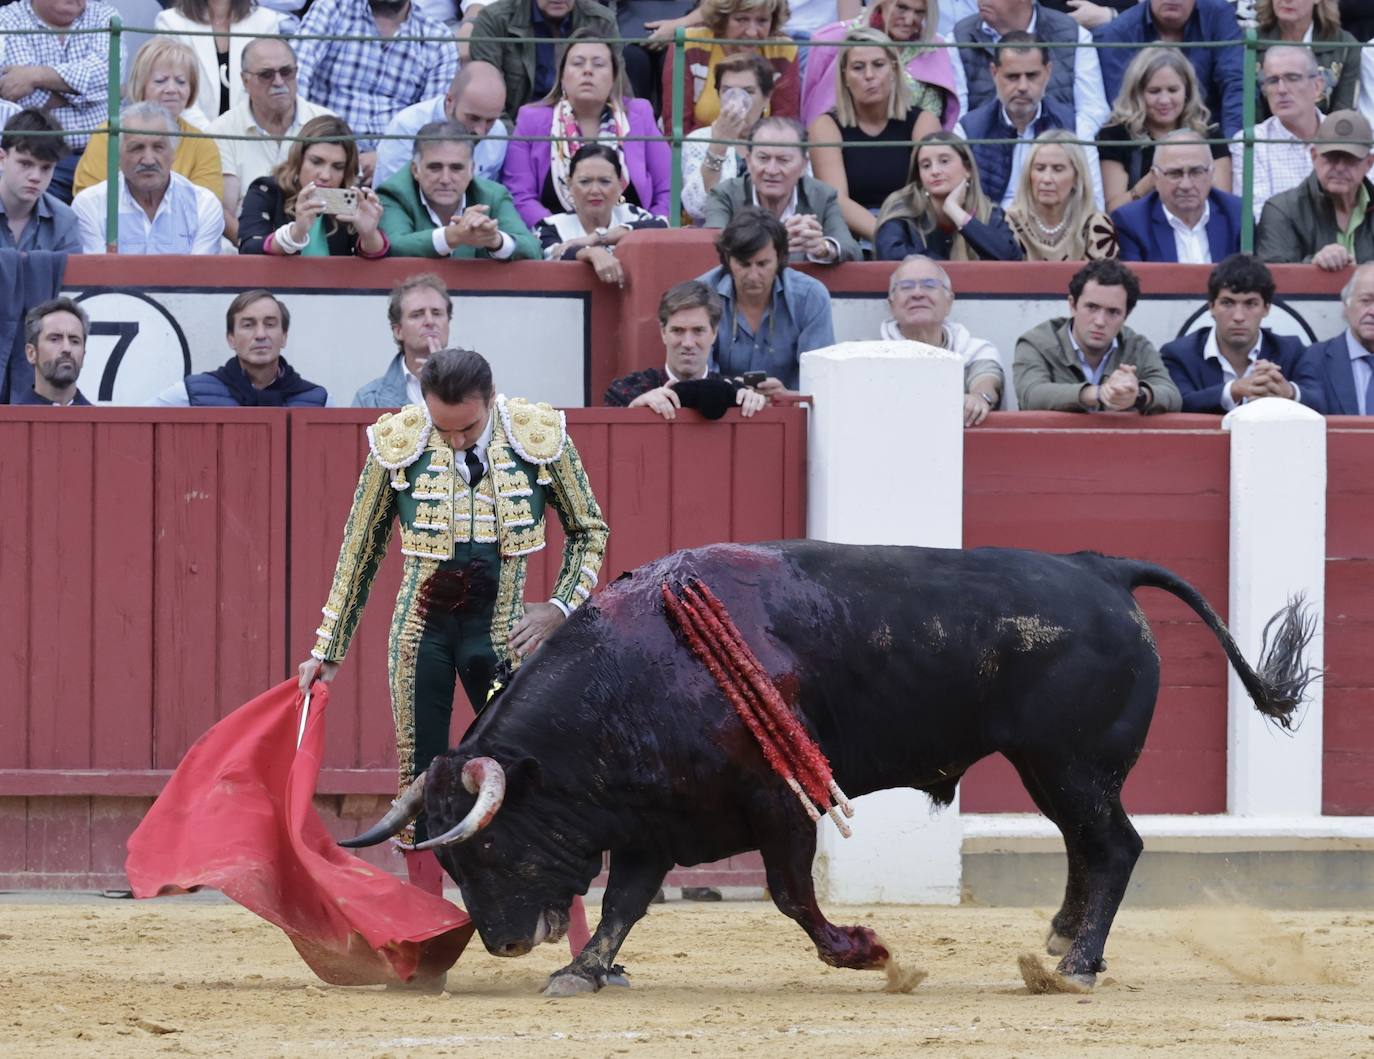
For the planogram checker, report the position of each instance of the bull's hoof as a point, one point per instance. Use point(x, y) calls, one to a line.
point(1040, 979)
point(616, 976)
point(565, 984)
point(1057, 944)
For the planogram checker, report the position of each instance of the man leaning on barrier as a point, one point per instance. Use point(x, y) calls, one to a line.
point(1326, 219)
point(1346, 363)
point(55, 344)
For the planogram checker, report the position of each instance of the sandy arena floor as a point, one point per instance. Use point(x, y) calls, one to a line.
point(189, 976)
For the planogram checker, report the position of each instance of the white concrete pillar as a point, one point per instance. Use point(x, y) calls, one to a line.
point(1278, 549)
point(885, 465)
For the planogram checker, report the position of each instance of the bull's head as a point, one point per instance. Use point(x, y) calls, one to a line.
point(517, 879)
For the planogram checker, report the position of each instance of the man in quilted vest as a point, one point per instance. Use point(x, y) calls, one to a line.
point(468, 474)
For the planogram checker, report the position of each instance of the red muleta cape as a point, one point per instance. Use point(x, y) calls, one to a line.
point(238, 816)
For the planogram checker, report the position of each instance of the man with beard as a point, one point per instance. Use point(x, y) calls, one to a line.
point(420, 312)
point(368, 82)
point(55, 344)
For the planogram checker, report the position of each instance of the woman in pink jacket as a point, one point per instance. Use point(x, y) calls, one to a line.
point(933, 74)
point(585, 106)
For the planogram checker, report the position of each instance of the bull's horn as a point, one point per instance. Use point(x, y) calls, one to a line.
point(403, 810)
point(484, 777)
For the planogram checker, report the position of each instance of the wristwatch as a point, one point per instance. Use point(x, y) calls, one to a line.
point(1143, 400)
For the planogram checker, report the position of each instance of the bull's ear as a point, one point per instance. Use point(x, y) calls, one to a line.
point(524, 776)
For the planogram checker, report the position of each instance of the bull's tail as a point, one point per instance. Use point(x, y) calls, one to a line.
point(1280, 685)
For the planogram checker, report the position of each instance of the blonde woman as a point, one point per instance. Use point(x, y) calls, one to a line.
point(1052, 215)
point(1159, 95)
point(218, 55)
point(942, 211)
point(164, 72)
point(934, 75)
point(1316, 23)
point(758, 23)
point(873, 105)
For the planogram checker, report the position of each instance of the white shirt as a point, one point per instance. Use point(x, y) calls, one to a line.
point(441, 247)
point(188, 220)
point(1019, 153)
point(1278, 166)
point(1210, 351)
point(1191, 242)
point(1362, 369)
point(1367, 83)
point(249, 160)
point(414, 395)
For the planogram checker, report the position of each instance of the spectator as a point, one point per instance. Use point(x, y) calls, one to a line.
point(55, 344)
point(420, 312)
point(651, 23)
point(935, 76)
point(744, 84)
point(268, 113)
point(1159, 95)
point(1292, 84)
point(1020, 111)
point(872, 105)
point(1052, 216)
point(773, 314)
point(367, 82)
point(1185, 219)
point(1090, 361)
point(1367, 84)
point(31, 218)
point(1236, 361)
point(942, 211)
point(1315, 23)
point(920, 296)
point(531, 70)
point(1345, 363)
point(1220, 71)
point(437, 208)
point(688, 318)
point(284, 214)
point(163, 72)
point(160, 212)
point(585, 106)
point(776, 181)
point(257, 375)
point(219, 58)
point(1090, 15)
point(599, 219)
point(62, 69)
point(747, 20)
point(1075, 80)
point(1326, 219)
point(475, 100)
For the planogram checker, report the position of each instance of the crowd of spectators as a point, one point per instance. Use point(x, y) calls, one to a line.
point(827, 132)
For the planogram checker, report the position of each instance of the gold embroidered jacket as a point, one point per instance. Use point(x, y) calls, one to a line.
point(409, 477)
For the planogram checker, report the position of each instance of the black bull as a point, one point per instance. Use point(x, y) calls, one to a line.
point(907, 665)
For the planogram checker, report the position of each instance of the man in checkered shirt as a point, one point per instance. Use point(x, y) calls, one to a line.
point(66, 74)
point(1292, 84)
point(367, 82)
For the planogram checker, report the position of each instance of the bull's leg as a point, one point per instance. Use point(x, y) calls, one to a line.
point(633, 881)
point(1066, 922)
point(787, 857)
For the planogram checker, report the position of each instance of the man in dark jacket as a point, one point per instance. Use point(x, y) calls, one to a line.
point(1185, 218)
point(257, 375)
point(1218, 368)
point(55, 344)
point(1346, 362)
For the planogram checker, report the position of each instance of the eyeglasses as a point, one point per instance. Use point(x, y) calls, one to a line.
point(286, 73)
point(1291, 80)
point(906, 286)
point(1193, 172)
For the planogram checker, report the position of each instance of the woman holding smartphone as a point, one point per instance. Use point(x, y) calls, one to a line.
point(310, 205)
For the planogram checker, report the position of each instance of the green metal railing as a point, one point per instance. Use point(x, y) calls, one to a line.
point(116, 29)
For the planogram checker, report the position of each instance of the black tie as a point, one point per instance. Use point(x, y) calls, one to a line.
point(474, 465)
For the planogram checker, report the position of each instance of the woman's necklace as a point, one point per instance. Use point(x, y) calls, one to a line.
point(1050, 234)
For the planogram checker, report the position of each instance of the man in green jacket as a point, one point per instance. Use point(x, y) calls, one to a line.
point(1090, 361)
point(529, 68)
point(437, 208)
point(1328, 219)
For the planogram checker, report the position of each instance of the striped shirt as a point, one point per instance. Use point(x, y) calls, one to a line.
point(1278, 166)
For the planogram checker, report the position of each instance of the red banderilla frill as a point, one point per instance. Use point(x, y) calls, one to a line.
point(787, 746)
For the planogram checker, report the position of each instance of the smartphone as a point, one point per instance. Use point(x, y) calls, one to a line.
point(754, 378)
point(338, 200)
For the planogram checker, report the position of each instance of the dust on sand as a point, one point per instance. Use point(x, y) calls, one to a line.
point(189, 977)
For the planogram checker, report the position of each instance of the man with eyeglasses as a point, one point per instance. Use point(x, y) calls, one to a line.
point(1292, 84)
point(270, 113)
point(920, 296)
point(1326, 219)
point(1184, 219)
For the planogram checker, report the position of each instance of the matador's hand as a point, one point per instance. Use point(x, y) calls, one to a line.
point(539, 621)
point(312, 669)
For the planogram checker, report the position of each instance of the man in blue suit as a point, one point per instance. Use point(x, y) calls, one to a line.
point(1346, 362)
point(1182, 23)
point(1220, 367)
point(1184, 219)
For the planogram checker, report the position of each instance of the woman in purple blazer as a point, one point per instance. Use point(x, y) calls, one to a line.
point(585, 105)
